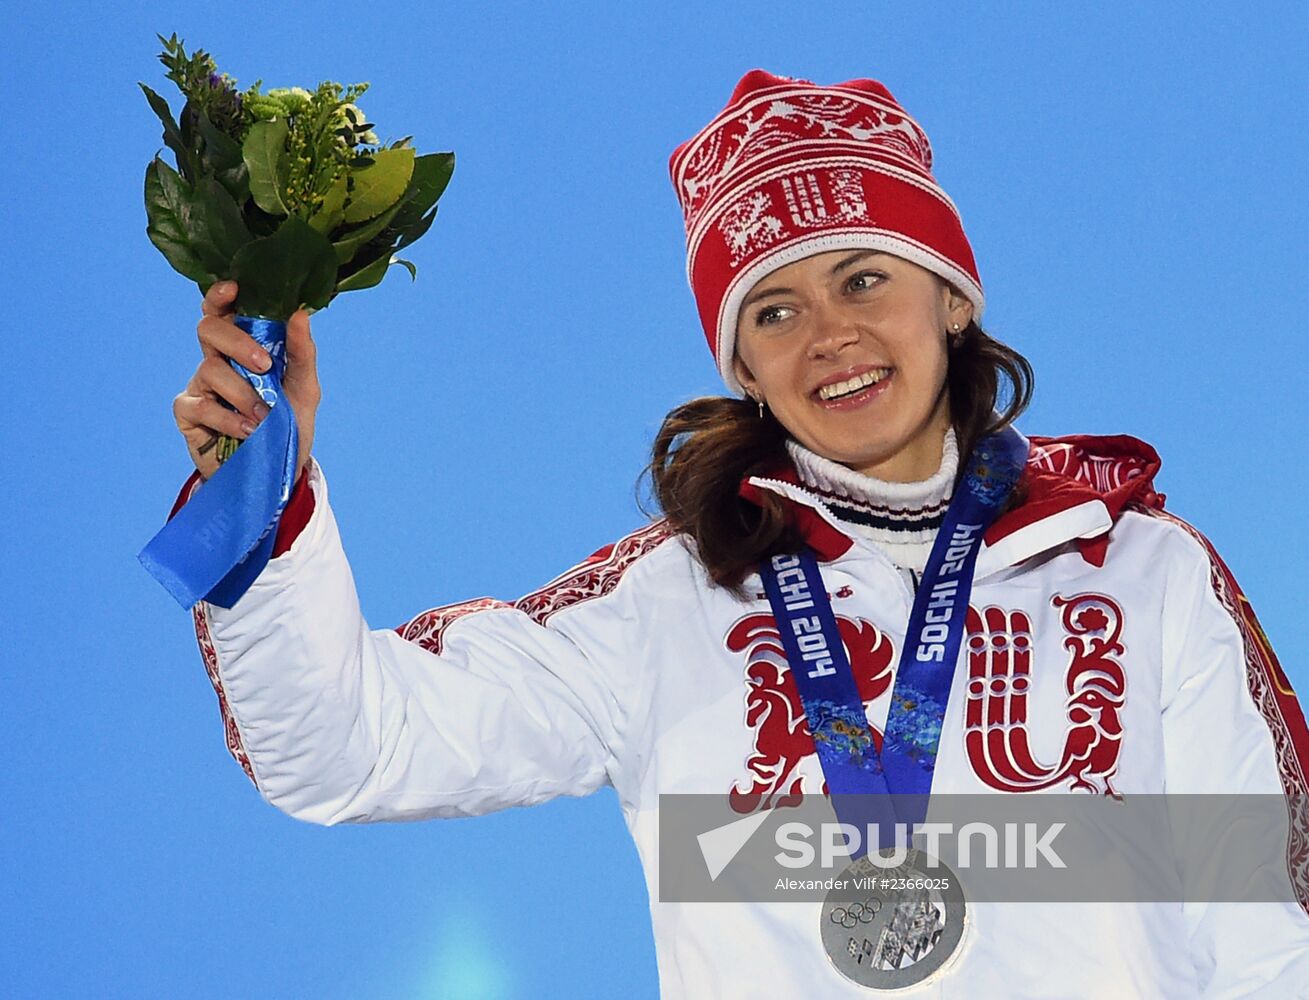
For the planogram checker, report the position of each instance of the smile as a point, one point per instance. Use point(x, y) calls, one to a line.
point(852, 387)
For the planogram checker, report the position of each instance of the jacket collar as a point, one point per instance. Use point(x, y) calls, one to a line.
point(1075, 488)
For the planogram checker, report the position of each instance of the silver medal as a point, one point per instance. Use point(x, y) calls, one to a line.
point(889, 928)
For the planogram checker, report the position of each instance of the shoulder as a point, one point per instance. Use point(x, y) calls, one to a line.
point(611, 571)
point(652, 551)
point(1173, 546)
point(1121, 471)
point(1116, 467)
point(1095, 472)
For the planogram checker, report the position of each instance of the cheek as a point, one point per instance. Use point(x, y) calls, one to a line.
point(770, 362)
point(929, 355)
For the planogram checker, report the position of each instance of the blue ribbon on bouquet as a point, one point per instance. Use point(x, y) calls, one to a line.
point(894, 784)
point(220, 541)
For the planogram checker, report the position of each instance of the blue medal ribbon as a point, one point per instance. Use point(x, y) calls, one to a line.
point(858, 776)
point(220, 541)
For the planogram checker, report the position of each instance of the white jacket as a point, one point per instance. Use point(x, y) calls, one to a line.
point(632, 669)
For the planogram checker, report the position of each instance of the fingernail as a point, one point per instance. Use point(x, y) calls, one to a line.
point(247, 427)
point(262, 362)
point(261, 411)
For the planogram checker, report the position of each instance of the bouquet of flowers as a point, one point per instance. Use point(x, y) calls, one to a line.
point(287, 192)
point(290, 194)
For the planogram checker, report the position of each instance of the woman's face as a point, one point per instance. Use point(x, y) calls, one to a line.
point(859, 315)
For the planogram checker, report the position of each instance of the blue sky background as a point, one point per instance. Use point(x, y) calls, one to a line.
point(1132, 178)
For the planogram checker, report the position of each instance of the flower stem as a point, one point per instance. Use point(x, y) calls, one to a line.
point(226, 448)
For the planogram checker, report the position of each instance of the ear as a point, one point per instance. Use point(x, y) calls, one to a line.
point(957, 306)
point(743, 374)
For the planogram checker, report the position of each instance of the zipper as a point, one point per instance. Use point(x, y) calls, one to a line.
point(913, 580)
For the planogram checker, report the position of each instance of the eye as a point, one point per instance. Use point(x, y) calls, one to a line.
point(864, 280)
point(769, 315)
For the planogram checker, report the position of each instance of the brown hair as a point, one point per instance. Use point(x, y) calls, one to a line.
point(706, 446)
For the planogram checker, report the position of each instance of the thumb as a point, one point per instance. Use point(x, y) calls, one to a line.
point(301, 354)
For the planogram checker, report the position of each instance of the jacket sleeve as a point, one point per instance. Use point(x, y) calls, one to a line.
point(1232, 725)
point(484, 705)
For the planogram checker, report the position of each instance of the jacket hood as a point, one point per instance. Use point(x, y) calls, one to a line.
point(1073, 488)
point(1062, 472)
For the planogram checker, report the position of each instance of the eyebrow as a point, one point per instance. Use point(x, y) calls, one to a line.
point(768, 293)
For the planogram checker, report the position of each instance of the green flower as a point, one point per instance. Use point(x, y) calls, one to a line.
point(294, 99)
point(263, 108)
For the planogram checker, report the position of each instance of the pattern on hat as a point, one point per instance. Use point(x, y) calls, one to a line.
point(790, 169)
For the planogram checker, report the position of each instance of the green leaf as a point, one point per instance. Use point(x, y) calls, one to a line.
point(279, 273)
point(368, 277)
point(189, 210)
point(379, 185)
point(349, 242)
point(165, 226)
point(226, 228)
point(319, 285)
point(412, 234)
point(259, 222)
point(186, 123)
point(366, 259)
point(409, 266)
point(431, 175)
point(222, 152)
point(264, 153)
point(172, 134)
point(327, 218)
point(237, 181)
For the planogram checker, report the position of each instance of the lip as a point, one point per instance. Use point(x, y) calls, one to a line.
point(859, 398)
point(844, 376)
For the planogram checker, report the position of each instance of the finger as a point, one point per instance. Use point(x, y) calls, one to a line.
point(217, 378)
point(220, 300)
point(220, 336)
point(200, 413)
point(302, 358)
point(300, 347)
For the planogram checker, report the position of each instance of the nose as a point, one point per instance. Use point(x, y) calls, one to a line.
point(834, 331)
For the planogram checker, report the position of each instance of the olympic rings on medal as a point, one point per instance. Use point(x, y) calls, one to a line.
point(856, 913)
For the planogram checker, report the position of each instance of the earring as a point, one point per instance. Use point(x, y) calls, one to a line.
point(760, 401)
point(956, 338)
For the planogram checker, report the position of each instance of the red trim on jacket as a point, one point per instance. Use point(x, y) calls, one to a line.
point(1063, 472)
point(595, 576)
point(295, 515)
point(1271, 693)
point(827, 542)
point(231, 731)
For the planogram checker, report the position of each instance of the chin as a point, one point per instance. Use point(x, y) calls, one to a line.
point(856, 456)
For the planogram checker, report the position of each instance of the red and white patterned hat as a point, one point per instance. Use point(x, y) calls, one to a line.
point(790, 169)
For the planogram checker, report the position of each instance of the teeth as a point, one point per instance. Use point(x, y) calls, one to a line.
point(837, 389)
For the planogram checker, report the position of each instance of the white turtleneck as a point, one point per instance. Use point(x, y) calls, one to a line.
point(901, 518)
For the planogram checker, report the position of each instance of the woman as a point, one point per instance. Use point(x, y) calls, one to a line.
point(1107, 650)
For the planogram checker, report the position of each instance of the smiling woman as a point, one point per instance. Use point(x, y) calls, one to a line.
point(854, 364)
point(863, 580)
point(865, 359)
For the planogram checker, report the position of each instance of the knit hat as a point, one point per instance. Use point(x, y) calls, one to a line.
point(790, 169)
